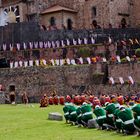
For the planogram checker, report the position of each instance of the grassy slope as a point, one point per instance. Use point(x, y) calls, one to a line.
point(30, 123)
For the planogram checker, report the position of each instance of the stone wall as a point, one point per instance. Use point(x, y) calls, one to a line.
point(37, 81)
point(68, 80)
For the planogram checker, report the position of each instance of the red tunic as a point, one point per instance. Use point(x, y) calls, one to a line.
point(55, 100)
point(50, 100)
point(62, 100)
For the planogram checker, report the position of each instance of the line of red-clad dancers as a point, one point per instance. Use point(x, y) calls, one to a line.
point(79, 99)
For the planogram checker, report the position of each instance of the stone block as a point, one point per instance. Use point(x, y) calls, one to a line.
point(92, 124)
point(55, 116)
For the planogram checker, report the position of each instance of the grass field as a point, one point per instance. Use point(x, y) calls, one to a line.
point(22, 122)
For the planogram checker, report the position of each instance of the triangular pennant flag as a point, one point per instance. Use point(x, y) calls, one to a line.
point(131, 80)
point(25, 64)
point(73, 62)
point(68, 61)
point(36, 45)
point(24, 46)
point(137, 42)
point(57, 44)
point(57, 62)
point(92, 40)
point(4, 47)
point(68, 42)
point(104, 59)
point(85, 41)
point(11, 47)
point(81, 60)
point(45, 44)
point(109, 40)
point(53, 44)
point(128, 58)
point(88, 60)
point(79, 41)
point(131, 41)
point(16, 64)
point(118, 59)
point(74, 42)
point(44, 62)
point(61, 62)
point(52, 61)
point(121, 80)
point(31, 63)
point(37, 62)
point(62, 43)
point(112, 80)
point(31, 45)
point(49, 44)
point(11, 65)
point(20, 63)
point(18, 46)
point(41, 44)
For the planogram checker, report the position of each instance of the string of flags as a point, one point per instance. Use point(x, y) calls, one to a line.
point(46, 44)
point(121, 80)
point(60, 43)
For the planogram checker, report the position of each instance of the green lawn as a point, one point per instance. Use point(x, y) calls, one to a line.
point(22, 122)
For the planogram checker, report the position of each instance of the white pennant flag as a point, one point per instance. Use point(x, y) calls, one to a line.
point(24, 46)
point(11, 65)
point(68, 61)
point(31, 63)
point(31, 45)
point(16, 64)
point(81, 60)
point(53, 44)
point(49, 44)
point(4, 47)
point(18, 46)
point(44, 62)
point(112, 80)
point(25, 64)
point(57, 62)
point(37, 62)
point(73, 62)
point(89, 60)
point(121, 80)
point(68, 42)
point(45, 44)
point(85, 41)
point(131, 80)
point(104, 60)
point(79, 41)
point(92, 40)
point(11, 47)
point(20, 63)
point(74, 42)
point(62, 43)
point(118, 59)
point(52, 61)
point(57, 44)
point(41, 44)
point(61, 62)
point(128, 58)
point(36, 45)
point(109, 40)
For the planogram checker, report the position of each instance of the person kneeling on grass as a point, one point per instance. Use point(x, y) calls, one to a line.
point(136, 112)
point(101, 116)
point(66, 109)
point(86, 113)
point(126, 116)
point(44, 101)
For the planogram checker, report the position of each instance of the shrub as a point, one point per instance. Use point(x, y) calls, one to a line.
point(137, 52)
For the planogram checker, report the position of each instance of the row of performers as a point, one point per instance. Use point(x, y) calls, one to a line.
point(122, 119)
point(79, 100)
